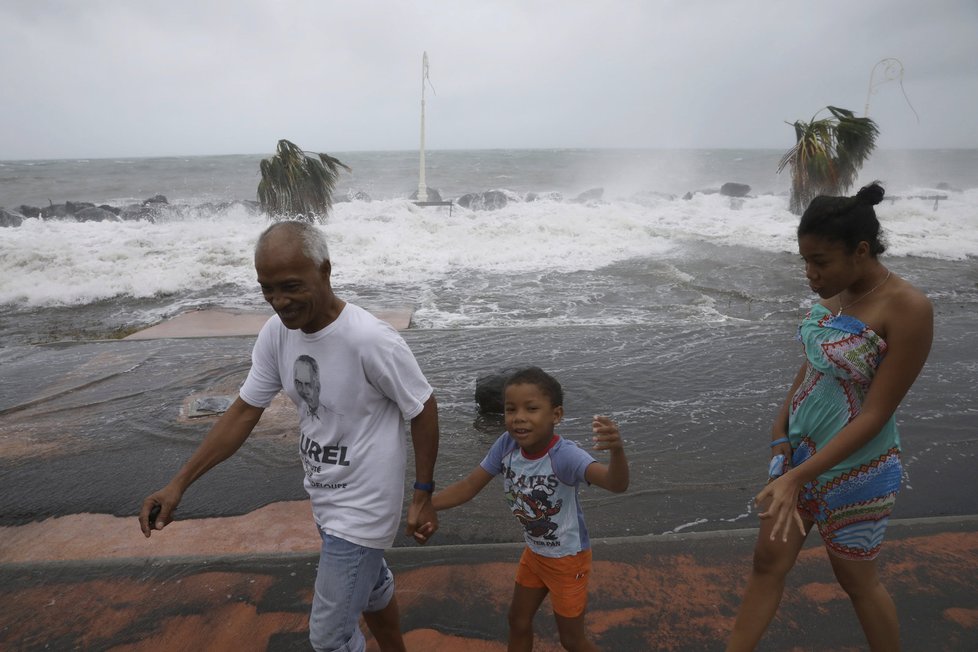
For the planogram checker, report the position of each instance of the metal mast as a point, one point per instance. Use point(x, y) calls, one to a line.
point(422, 188)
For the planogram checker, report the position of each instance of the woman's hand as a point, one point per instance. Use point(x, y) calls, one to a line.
point(781, 497)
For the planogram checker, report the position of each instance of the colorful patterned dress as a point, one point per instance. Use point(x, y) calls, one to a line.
point(852, 501)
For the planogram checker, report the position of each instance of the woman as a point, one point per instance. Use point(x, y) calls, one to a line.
point(865, 343)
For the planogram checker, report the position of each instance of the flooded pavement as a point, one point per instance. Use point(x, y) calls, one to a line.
point(90, 428)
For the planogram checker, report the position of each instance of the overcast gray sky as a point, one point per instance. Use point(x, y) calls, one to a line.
point(105, 78)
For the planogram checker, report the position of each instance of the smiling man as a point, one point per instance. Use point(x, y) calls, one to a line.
point(353, 451)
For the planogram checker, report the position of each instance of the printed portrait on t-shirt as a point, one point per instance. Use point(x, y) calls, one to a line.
point(305, 375)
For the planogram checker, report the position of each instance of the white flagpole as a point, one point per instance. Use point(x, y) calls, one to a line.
point(422, 188)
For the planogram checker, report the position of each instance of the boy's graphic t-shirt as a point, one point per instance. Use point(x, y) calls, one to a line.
point(542, 493)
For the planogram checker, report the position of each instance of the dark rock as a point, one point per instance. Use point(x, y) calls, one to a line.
point(489, 390)
point(96, 214)
point(111, 209)
point(466, 200)
point(594, 194)
point(29, 211)
point(494, 200)
point(731, 189)
point(9, 218)
point(489, 200)
point(688, 195)
point(56, 211)
point(74, 206)
point(155, 199)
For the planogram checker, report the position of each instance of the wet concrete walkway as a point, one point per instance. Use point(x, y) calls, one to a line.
point(664, 592)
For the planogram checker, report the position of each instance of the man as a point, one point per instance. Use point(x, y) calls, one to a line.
point(353, 451)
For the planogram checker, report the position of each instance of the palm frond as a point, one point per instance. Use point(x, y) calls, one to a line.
point(295, 185)
point(827, 155)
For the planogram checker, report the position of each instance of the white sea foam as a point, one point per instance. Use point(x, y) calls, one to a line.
point(65, 263)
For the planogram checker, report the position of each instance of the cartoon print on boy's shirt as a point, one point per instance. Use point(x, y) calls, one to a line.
point(529, 499)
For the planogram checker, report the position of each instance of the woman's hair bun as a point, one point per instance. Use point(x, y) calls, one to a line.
point(871, 194)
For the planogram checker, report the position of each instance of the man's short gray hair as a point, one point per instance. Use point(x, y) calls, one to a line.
point(312, 238)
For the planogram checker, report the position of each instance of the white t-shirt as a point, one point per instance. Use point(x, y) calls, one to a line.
point(542, 493)
point(352, 441)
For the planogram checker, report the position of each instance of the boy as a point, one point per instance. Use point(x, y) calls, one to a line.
point(541, 473)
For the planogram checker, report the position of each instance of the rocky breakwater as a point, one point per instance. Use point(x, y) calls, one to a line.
point(150, 209)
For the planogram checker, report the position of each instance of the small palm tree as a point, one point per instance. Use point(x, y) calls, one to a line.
point(827, 155)
point(295, 185)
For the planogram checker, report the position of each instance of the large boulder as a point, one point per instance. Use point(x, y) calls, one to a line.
point(9, 218)
point(74, 207)
point(731, 189)
point(55, 211)
point(155, 199)
point(489, 390)
point(29, 211)
point(489, 200)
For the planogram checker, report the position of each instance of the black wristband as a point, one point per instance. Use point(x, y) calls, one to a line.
point(425, 486)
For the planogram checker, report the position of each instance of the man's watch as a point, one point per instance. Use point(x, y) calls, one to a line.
point(425, 486)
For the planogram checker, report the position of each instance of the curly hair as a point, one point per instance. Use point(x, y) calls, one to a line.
point(547, 384)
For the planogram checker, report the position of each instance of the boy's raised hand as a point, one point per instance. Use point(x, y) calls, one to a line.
point(612, 476)
point(606, 435)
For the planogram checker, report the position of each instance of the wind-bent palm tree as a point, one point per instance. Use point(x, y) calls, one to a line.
point(295, 185)
point(827, 155)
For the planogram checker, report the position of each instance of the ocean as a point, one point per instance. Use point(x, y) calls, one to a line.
point(662, 303)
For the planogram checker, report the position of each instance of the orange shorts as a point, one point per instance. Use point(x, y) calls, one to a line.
point(565, 577)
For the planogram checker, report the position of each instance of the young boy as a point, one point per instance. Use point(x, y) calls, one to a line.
point(541, 473)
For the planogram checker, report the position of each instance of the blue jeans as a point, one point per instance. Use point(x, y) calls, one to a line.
point(351, 580)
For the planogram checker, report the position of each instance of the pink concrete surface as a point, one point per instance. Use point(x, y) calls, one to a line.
point(665, 594)
point(284, 527)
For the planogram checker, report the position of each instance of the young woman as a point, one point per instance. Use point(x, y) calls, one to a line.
point(865, 343)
